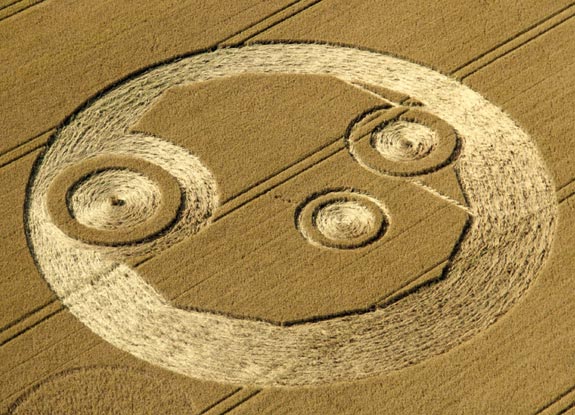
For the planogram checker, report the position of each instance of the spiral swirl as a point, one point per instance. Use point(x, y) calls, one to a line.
point(114, 199)
point(405, 141)
point(345, 220)
point(341, 219)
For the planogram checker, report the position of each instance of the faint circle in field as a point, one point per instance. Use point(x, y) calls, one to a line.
point(104, 390)
point(114, 200)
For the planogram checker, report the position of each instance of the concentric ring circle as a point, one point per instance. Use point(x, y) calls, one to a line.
point(63, 214)
point(341, 219)
point(116, 198)
point(364, 147)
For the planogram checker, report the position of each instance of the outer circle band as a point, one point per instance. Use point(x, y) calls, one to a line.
point(508, 189)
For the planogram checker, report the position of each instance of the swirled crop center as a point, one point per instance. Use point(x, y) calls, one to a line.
point(342, 220)
point(113, 199)
point(508, 190)
point(403, 141)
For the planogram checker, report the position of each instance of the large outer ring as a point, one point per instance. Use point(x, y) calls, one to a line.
point(508, 189)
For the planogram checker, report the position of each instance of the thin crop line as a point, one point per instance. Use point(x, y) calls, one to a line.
point(514, 48)
point(218, 401)
point(25, 316)
point(34, 3)
point(10, 3)
point(231, 408)
point(555, 400)
point(283, 19)
point(21, 332)
point(262, 20)
point(27, 141)
point(505, 42)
